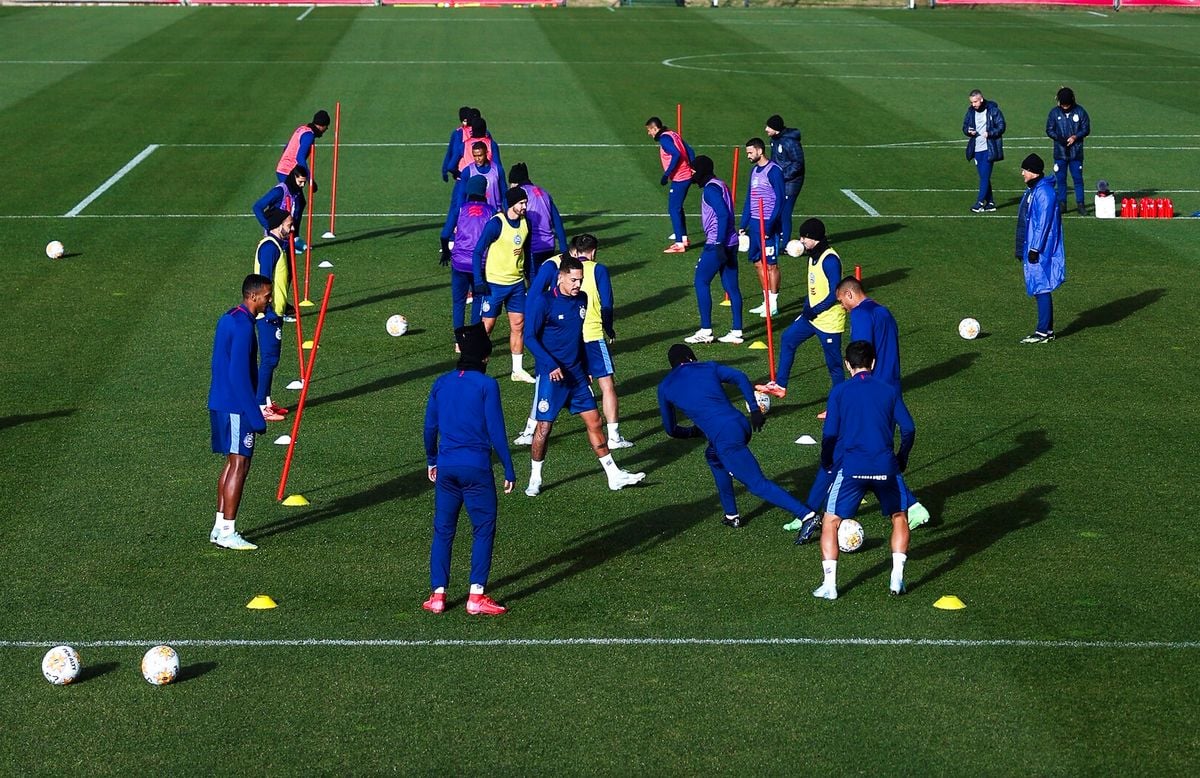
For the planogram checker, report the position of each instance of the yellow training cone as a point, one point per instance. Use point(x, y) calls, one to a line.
point(726, 302)
point(261, 602)
point(307, 344)
point(306, 303)
point(758, 345)
point(949, 603)
point(295, 500)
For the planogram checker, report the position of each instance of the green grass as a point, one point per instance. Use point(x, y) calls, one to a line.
point(1059, 474)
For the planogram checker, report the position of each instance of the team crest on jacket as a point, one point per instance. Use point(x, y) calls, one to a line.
point(248, 441)
point(543, 405)
point(486, 306)
point(582, 313)
point(279, 333)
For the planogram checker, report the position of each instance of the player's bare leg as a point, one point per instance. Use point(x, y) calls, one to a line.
point(829, 556)
point(229, 496)
point(516, 345)
point(537, 455)
point(610, 404)
point(617, 478)
point(900, 537)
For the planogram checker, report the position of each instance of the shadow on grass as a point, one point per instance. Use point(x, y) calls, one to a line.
point(1027, 448)
point(871, 281)
point(868, 232)
point(391, 294)
point(88, 672)
point(383, 232)
point(401, 487)
point(1113, 312)
point(939, 372)
point(655, 301)
point(28, 418)
point(630, 535)
point(194, 670)
point(625, 267)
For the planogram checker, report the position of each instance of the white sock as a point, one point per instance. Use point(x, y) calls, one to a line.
point(224, 526)
point(535, 470)
point(440, 590)
point(269, 400)
point(610, 467)
point(683, 239)
point(898, 561)
point(517, 359)
point(704, 331)
point(530, 426)
point(613, 434)
point(829, 566)
point(262, 408)
point(476, 588)
point(774, 299)
point(736, 333)
point(220, 518)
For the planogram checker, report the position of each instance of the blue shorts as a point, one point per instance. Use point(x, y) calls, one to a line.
point(847, 494)
point(512, 297)
point(772, 246)
point(230, 434)
point(549, 397)
point(599, 361)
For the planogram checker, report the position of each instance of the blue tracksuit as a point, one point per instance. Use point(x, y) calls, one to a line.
point(787, 151)
point(1061, 125)
point(235, 367)
point(719, 254)
point(696, 389)
point(874, 323)
point(463, 424)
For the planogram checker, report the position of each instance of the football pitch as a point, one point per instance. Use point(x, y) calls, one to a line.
point(643, 636)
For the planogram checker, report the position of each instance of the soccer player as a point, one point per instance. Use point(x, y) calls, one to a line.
point(556, 320)
point(765, 187)
point(1067, 125)
point(696, 388)
point(464, 423)
point(478, 133)
point(545, 224)
point(270, 261)
point(871, 323)
point(287, 196)
point(500, 282)
point(858, 435)
point(822, 317)
point(465, 225)
point(481, 166)
point(788, 152)
point(719, 254)
point(458, 140)
point(984, 126)
point(233, 414)
point(598, 333)
point(1039, 245)
point(295, 153)
point(676, 157)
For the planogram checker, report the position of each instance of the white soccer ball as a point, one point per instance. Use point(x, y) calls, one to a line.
point(160, 665)
point(397, 325)
point(850, 536)
point(61, 665)
point(764, 401)
point(968, 329)
point(55, 249)
point(794, 247)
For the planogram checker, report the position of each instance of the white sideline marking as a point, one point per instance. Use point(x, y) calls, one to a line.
point(114, 178)
point(300, 18)
point(556, 642)
point(1097, 13)
point(861, 202)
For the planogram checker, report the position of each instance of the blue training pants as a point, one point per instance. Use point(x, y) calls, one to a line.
point(476, 487)
point(791, 190)
point(461, 283)
point(799, 331)
point(984, 166)
point(675, 197)
point(1045, 307)
point(1060, 179)
point(713, 260)
point(729, 457)
point(270, 343)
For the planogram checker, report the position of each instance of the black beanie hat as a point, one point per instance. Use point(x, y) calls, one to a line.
point(321, 118)
point(465, 113)
point(275, 217)
point(474, 345)
point(813, 228)
point(1034, 164)
point(519, 174)
point(515, 195)
point(679, 354)
point(776, 123)
point(702, 169)
point(477, 186)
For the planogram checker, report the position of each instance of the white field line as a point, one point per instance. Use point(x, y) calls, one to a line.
point(300, 18)
point(1097, 13)
point(861, 202)
point(114, 178)
point(1118, 645)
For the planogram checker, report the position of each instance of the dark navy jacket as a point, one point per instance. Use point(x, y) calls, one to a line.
point(995, 131)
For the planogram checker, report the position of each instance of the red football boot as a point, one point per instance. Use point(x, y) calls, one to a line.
point(482, 605)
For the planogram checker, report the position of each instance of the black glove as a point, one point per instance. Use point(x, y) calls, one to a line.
point(1034, 257)
point(757, 419)
point(663, 181)
point(903, 463)
point(482, 289)
point(456, 174)
point(445, 176)
point(445, 255)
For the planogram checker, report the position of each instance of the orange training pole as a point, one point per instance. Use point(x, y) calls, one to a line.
point(762, 261)
point(312, 360)
point(733, 190)
point(337, 124)
point(296, 304)
point(679, 118)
